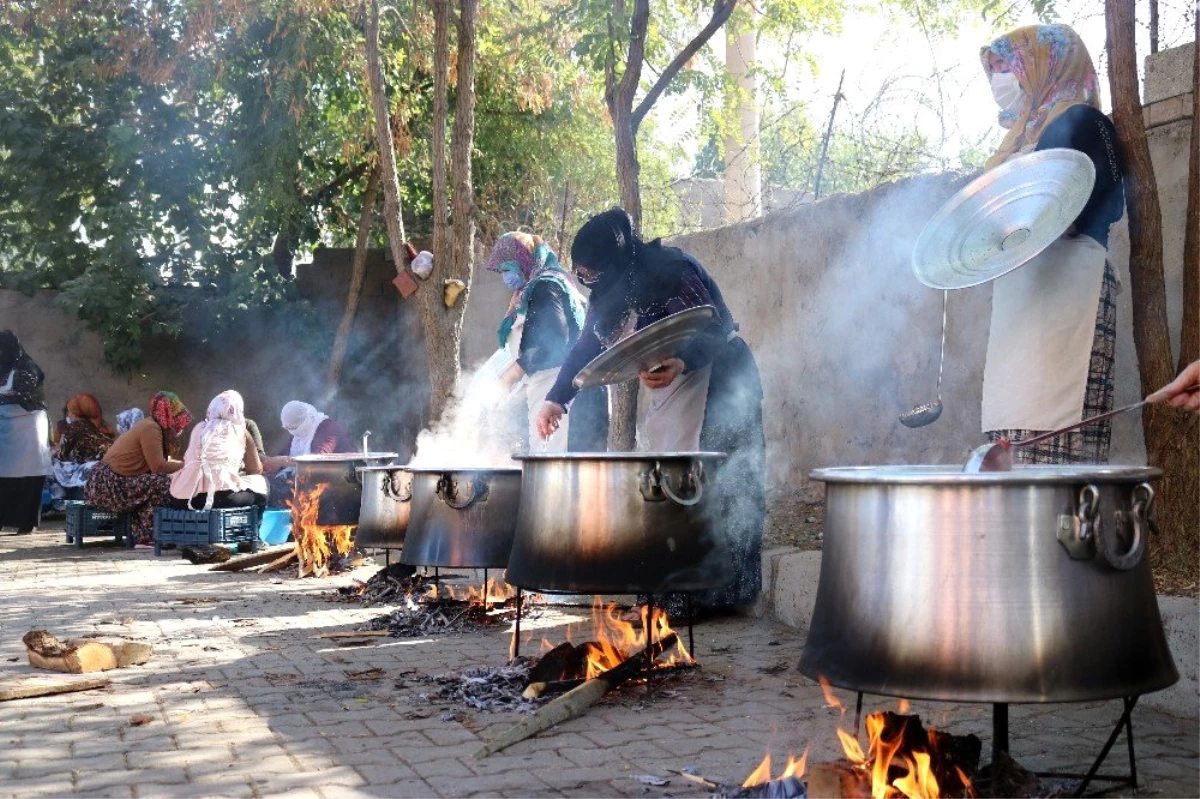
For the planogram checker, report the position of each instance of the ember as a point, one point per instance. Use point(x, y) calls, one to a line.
point(313, 540)
point(432, 607)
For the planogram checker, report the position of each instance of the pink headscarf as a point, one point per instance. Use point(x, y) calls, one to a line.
point(214, 456)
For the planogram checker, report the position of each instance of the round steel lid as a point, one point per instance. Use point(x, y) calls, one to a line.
point(953, 474)
point(644, 349)
point(345, 457)
point(615, 456)
point(462, 469)
point(1003, 218)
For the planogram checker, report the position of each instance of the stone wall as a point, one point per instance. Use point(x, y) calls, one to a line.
point(384, 387)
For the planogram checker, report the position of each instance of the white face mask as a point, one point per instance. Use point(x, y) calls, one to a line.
point(1007, 91)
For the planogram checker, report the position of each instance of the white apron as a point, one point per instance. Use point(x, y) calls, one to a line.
point(24, 451)
point(1040, 339)
point(533, 388)
point(673, 415)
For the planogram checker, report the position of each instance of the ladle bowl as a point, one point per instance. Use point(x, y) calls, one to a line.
point(922, 414)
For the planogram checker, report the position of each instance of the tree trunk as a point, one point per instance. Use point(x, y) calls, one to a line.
point(1165, 429)
point(463, 193)
point(358, 275)
point(1189, 338)
point(383, 137)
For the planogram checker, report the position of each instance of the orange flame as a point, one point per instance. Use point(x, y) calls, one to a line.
point(884, 755)
point(313, 540)
point(616, 639)
point(762, 774)
point(902, 707)
point(830, 698)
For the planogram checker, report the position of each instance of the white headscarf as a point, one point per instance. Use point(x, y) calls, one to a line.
point(128, 418)
point(301, 420)
point(215, 453)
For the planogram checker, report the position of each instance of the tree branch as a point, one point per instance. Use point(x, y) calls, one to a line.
point(720, 15)
point(632, 75)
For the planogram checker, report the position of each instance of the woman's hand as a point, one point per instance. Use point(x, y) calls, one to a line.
point(664, 374)
point(548, 418)
point(1177, 394)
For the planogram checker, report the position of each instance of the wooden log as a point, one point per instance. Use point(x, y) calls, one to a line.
point(243, 562)
point(279, 562)
point(83, 656)
point(576, 701)
point(354, 634)
point(34, 685)
point(838, 780)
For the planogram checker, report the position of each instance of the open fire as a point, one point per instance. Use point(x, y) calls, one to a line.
point(316, 543)
point(615, 638)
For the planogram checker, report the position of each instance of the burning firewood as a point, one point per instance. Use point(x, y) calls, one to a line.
point(316, 543)
point(578, 700)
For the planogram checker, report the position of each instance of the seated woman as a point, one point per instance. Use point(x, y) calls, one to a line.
point(313, 433)
point(81, 445)
point(135, 474)
point(221, 468)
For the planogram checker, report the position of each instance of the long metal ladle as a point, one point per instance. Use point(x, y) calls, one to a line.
point(930, 411)
point(996, 456)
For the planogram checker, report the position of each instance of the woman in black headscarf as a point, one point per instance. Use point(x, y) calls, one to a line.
point(708, 398)
point(24, 437)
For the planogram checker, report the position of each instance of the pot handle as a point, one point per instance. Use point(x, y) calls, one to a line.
point(391, 491)
point(694, 477)
point(1138, 521)
point(447, 489)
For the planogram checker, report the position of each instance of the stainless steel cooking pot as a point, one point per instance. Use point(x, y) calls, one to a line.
point(386, 502)
point(1024, 586)
point(339, 503)
point(462, 518)
point(619, 522)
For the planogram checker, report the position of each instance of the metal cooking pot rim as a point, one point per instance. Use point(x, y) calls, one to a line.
point(389, 467)
point(461, 469)
point(344, 457)
point(613, 456)
point(954, 475)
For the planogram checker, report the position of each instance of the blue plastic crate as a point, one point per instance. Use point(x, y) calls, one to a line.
point(180, 527)
point(83, 521)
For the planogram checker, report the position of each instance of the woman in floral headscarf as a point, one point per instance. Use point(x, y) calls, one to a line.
point(1050, 345)
point(221, 468)
point(84, 440)
point(135, 474)
point(544, 320)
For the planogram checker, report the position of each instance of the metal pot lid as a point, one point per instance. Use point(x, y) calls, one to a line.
point(644, 349)
point(462, 469)
point(953, 474)
point(345, 457)
point(1003, 218)
point(616, 456)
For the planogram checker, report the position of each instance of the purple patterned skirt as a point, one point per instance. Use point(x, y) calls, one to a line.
point(137, 495)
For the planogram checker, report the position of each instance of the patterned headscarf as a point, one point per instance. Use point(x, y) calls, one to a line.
point(85, 406)
point(537, 263)
point(1055, 72)
point(169, 412)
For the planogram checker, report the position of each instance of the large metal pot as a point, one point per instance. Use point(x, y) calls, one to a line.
point(619, 522)
point(1024, 586)
point(339, 503)
point(462, 518)
point(386, 504)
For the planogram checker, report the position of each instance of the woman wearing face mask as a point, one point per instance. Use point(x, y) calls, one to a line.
point(1050, 343)
point(543, 322)
point(707, 398)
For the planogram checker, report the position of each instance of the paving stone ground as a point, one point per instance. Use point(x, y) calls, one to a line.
point(247, 703)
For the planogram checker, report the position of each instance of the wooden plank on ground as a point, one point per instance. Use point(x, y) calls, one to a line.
point(253, 559)
point(33, 685)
